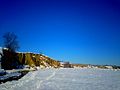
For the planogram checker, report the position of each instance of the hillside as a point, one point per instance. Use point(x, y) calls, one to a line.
point(33, 59)
point(95, 66)
point(14, 60)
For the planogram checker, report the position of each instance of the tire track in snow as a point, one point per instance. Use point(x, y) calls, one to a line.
point(47, 78)
point(52, 75)
point(24, 80)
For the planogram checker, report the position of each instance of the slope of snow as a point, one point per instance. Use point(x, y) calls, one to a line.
point(66, 79)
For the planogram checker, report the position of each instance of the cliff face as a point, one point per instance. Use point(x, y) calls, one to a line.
point(12, 60)
point(33, 59)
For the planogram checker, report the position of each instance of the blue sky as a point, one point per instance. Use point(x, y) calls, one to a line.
point(79, 31)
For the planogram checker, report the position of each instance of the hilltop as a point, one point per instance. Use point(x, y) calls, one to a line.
point(20, 59)
point(33, 59)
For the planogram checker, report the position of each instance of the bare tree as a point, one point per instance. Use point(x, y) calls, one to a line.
point(10, 41)
point(9, 58)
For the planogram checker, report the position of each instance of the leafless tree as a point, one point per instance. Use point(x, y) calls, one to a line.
point(10, 41)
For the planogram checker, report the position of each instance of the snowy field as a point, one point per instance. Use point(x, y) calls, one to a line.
point(66, 79)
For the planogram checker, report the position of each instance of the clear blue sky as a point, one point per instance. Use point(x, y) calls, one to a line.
point(79, 31)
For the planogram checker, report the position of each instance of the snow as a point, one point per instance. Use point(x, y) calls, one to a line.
point(66, 79)
point(10, 76)
point(2, 72)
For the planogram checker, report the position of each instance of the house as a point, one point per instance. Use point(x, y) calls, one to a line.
point(66, 65)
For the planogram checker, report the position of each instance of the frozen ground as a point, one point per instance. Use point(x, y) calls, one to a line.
point(66, 79)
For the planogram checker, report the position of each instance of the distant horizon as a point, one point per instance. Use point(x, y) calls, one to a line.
point(79, 31)
point(61, 60)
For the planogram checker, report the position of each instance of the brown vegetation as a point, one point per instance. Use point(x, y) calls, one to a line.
point(37, 60)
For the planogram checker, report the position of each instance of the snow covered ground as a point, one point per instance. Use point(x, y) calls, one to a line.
point(66, 79)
